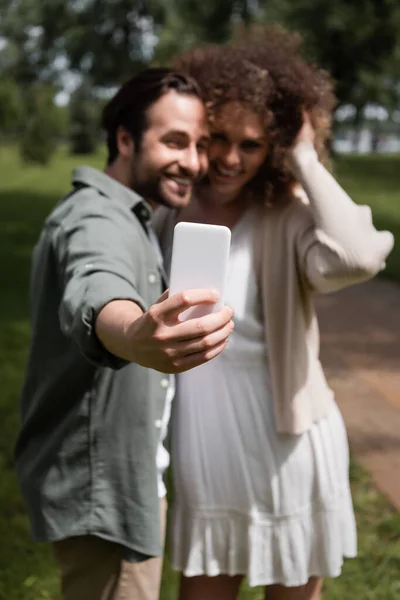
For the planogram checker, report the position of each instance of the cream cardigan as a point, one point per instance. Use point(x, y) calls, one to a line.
point(319, 242)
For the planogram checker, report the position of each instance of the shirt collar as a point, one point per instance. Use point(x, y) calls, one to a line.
point(111, 188)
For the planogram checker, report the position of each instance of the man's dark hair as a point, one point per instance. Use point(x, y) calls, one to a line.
point(129, 105)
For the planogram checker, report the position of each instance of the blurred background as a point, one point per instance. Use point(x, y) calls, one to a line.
point(59, 62)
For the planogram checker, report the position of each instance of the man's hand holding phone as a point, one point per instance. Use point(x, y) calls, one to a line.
point(186, 328)
point(159, 340)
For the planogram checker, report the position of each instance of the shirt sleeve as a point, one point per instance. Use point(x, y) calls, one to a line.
point(339, 245)
point(97, 251)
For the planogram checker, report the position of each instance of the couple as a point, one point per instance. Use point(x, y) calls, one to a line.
point(235, 136)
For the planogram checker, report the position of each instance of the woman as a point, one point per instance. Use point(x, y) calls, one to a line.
point(259, 447)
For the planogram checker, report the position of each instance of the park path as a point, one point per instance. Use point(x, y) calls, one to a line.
point(360, 352)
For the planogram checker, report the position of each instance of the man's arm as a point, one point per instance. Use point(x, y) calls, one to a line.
point(157, 339)
point(102, 310)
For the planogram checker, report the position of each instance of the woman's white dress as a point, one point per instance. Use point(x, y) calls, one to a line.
point(248, 500)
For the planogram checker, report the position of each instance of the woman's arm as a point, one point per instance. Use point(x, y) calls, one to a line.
point(341, 246)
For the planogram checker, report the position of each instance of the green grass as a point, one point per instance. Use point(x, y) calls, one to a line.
point(27, 571)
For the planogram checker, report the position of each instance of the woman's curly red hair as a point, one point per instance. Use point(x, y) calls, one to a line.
point(264, 70)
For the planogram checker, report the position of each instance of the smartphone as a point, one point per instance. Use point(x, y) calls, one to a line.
point(200, 255)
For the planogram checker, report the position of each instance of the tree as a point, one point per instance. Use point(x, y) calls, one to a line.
point(84, 120)
point(109, 40)
point(355, 41)
point(105, 40)
point(20, 55)
point(11, 105)
point(358, 41)
point(41, 134)
point(192, 22)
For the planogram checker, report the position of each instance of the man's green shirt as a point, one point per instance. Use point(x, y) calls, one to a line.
point(86, 451)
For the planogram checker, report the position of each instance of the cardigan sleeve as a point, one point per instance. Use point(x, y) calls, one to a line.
point(339, 244)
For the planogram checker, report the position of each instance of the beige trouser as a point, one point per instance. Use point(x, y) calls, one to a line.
point(93, 569)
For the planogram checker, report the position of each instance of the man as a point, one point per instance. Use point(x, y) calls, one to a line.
point(102, 339)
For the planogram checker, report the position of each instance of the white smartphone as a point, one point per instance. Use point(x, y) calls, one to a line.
point(200, 255)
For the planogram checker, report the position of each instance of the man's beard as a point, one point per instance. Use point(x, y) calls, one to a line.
point(150, 191)
point(149, 187)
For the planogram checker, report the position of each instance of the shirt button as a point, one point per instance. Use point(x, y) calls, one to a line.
point(144, 213)
point(164, 383)
point(158, 423)
point(152, 278)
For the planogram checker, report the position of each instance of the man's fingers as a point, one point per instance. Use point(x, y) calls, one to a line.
point(163, 297)
point(201, 326)
point(208, 342)
point(199, 358)
point(171, 307)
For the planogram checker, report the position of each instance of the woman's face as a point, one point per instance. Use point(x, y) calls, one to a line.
point(237, 150)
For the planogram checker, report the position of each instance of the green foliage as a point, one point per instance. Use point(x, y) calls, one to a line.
point(190, 22)
point(21, 57)
point(11, 105)
point(40, 138)
point(62, 117)
point(357, 42)
point(106, 41)
point(84, 120)
point(102, 39)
